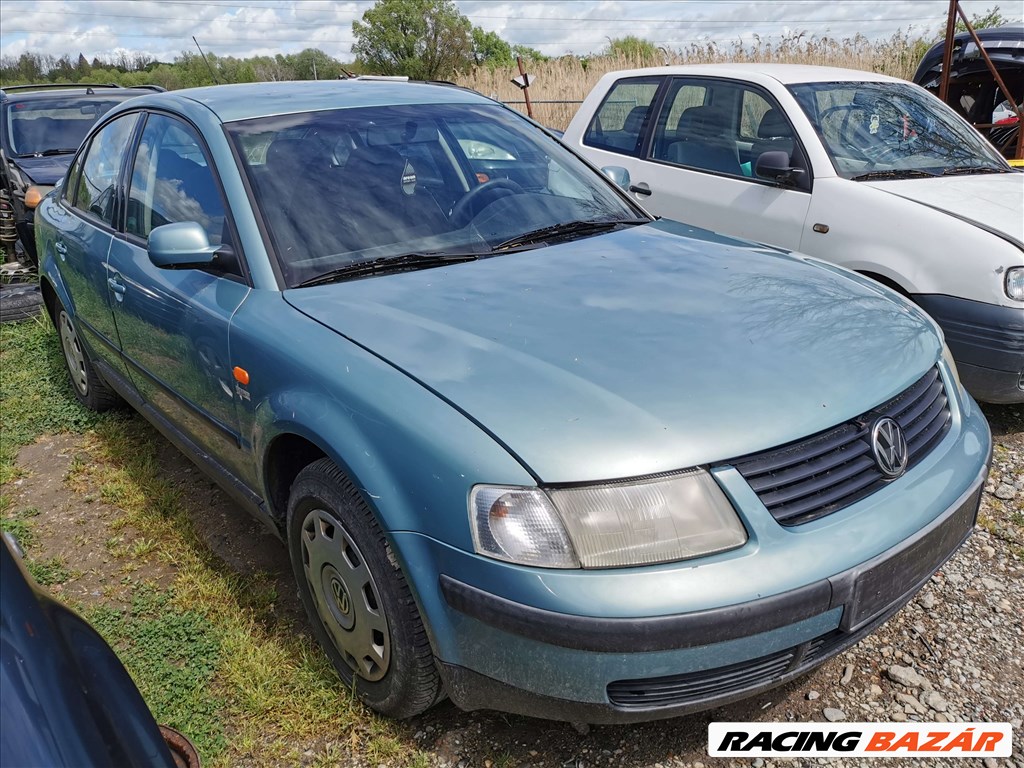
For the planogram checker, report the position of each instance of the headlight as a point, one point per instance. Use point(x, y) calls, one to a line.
point(948, 357)
point(1015, 283)
point(606, 526)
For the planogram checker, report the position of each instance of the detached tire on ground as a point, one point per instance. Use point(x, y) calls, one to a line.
point(357, 599)
point(19, 301)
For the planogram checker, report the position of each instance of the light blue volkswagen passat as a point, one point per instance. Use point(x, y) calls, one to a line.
point(528, 447)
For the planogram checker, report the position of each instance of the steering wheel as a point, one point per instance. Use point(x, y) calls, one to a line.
point(467, 207)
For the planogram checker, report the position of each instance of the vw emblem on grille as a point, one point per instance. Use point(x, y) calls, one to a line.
point(889, 447)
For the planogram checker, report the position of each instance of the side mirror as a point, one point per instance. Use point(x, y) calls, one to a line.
point(775, 165)
point(183, 244)
point(618, 174)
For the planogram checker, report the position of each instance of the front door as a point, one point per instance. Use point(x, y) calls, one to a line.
point(702, 157)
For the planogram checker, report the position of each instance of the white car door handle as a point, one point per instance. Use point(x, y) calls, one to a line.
point(643, 188)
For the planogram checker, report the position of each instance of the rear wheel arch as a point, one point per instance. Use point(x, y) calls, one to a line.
point(50, 299)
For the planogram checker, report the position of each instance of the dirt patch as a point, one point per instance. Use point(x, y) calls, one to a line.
point(78, 529)
point(243, 544)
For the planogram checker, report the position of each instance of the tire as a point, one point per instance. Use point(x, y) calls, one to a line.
point(19, 301)
point(91, 390)
point(357, 599)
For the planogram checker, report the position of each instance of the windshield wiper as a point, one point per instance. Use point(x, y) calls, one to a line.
point(403, 263)
point(895, 173)
point(565, 231)
point(964, 170)
point(48, 152)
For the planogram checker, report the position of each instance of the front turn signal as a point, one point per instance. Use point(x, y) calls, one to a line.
point(33, 197)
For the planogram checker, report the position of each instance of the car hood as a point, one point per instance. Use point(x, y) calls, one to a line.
point(991, 201)
point(638, 351)
point(44, 170)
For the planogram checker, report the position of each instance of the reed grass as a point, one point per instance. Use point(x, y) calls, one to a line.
point(570, 78)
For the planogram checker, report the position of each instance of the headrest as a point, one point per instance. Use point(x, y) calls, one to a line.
point(774, 126)
point(705, 122)
point(635, 120)
point(287, 155)
point(380, 170)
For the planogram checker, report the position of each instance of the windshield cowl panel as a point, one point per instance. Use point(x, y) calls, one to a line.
point(876, 130)
point(341, 188)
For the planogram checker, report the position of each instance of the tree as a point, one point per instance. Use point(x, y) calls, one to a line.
point(633, 48)
point(424, 39)
point(990, 18)
point(314, 64)
point(490, 50)
point(528, 54)
point(993, 17)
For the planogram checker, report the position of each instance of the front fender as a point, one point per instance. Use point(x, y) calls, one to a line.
point(414, 456)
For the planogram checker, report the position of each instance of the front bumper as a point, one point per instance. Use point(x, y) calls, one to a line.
point(645, 643)
point(987, 341)
point(860, 598)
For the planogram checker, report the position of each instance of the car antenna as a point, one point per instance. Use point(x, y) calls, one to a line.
point(212, 74)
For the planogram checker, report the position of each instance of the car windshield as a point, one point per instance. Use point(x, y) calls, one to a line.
point(885, 129)
point(36, 126)
point(347, 189)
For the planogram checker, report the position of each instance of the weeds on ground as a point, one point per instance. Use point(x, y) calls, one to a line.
point(48, 572)
point(209, 653)
point(34, 390)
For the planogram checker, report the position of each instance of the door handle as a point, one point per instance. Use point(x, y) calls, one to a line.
point(60, 248)
point(117, 287)
point(643, 188)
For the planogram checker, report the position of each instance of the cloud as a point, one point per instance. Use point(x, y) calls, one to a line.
point(244, 28)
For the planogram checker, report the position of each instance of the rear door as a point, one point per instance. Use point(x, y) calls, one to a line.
point(84, 229)
point(173, 324)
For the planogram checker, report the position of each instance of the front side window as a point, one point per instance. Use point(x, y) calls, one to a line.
point(347, 187)
point(619, 123)
point(895, 130)
point(721, 127)
point(96, 185)
point(172, 181)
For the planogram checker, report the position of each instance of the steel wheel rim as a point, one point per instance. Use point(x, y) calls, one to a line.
point(346, 596)
point(73, 354)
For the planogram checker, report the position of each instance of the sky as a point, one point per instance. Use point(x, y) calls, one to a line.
point(240, 28)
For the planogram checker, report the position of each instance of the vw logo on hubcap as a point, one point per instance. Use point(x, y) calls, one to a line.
point(340, 596)
point(889, 447)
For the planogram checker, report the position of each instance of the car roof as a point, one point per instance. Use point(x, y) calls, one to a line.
point(48, 91)
point(243, 101)
point(786, 74)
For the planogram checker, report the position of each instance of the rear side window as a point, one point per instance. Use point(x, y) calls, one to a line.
point(620, 121)
point(97, 183)
point(172, 181)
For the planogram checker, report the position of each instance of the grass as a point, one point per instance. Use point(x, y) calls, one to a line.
point(209, 653)
point(34, 391)
point(52, 570)
point(19, 525)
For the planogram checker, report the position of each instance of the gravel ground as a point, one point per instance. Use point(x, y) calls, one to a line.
point(955, 653)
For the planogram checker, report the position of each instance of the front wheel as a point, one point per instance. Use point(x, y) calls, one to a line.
point(356, 597)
